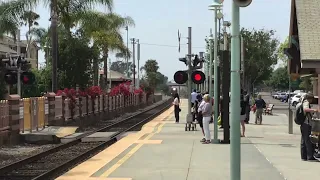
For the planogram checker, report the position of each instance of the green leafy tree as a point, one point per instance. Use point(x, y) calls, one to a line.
point(260, 55)
point(151, 68)
point(153, 78)
point(279, 79)
point(306, 84)
point(121, 66)
point(281, 55)
point(74, 62)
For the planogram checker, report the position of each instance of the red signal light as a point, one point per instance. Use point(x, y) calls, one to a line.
point(198, 77)
point(180, 77)
point(27, 77)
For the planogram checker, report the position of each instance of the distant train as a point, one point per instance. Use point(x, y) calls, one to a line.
point(173, 91)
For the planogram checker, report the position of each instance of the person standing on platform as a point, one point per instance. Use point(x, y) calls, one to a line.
point(199, 103)
point(307, 148)
point(206, 110)
point(243, 105)
point(193, 97)
point(260, 104)
point(176, 104)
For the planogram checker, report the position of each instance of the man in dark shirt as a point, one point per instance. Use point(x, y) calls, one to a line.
point(260, 104)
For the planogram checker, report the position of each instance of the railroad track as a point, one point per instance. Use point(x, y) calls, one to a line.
point(53, 162)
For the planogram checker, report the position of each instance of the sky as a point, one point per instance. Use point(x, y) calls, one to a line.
point(157, 24)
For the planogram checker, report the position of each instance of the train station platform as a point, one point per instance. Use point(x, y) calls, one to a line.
point(163, 150)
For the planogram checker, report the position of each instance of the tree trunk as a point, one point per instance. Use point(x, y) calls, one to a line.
point(28, 42)
point(105, 69)
point(95, 72)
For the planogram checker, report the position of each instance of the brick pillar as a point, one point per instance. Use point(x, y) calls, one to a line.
point(52, 108)
point(14, 116)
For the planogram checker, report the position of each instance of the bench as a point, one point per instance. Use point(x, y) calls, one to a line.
point(268, 109)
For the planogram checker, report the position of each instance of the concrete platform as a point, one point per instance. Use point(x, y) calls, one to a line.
point(71, 137)
point(48, 135)
point(163, 150)
point(99, 136)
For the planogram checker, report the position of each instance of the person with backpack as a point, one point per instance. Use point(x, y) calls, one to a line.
point(303, 118)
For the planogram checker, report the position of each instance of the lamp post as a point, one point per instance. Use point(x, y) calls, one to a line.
point(210, 85)
point(206, 67)
point(216, 7)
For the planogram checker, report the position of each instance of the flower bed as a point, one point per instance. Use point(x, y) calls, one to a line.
point(124, 89)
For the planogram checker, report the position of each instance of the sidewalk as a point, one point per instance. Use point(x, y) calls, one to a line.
point(281, 149)
point(163, 150)
point(268, 153)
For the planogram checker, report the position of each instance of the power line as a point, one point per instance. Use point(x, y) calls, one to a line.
point(166, 45)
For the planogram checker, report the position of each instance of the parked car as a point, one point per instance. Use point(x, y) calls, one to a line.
point(281, 96)
point(288, 97)
point(295, 100)
point(276, 95)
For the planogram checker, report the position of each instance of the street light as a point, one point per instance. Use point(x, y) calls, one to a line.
point(235, 148)
point(207, 63)
point(218, 15)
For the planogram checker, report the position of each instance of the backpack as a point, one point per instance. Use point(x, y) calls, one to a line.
point(300, 116)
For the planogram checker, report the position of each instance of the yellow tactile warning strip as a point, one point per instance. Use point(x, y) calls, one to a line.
point(93, 178)
point(129, 154)
point(149, 141)
point(89, 167)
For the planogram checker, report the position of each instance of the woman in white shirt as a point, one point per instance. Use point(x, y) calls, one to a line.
point(176, 103)
point(206, 111)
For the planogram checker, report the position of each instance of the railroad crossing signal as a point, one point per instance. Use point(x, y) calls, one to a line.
point(242, 3)
point(180, 77)
point(198, 77)
point(27, 78)
point(11, 78)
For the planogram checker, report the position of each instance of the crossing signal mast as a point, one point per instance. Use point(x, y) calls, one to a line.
point(16, 68)
point(197, 77)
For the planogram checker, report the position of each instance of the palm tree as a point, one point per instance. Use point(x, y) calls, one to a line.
point(8, 24)
point(105, 32)
point(29, 19)
point(12, 11)
point(103, 28)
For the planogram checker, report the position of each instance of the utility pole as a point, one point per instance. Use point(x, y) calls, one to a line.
point(290, 122)
point(134, 60)
point(235, 152)
point(127, 55)
point(138, 58)
point(19, 66)
point(208, 63)
point(216, 76)
point(210, 89)
point(54, 19)
point(189, 115)
point(242, 62)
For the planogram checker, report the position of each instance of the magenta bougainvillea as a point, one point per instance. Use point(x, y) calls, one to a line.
point(95, 91)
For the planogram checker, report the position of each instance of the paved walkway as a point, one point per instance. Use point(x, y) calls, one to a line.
point(169, 153)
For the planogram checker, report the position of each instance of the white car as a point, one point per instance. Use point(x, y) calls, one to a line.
point(296, 99)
